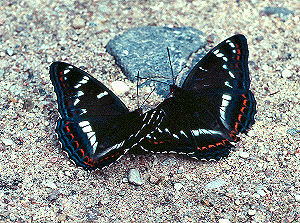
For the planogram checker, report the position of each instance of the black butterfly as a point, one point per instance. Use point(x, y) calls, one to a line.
point(204, 116)
point(95, 128)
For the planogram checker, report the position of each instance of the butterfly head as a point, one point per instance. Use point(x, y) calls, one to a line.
point(174, 89)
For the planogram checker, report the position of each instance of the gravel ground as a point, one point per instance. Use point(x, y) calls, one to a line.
point(259, 182)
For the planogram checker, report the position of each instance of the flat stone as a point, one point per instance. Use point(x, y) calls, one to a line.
point(144, 50)
point(134, 177)
point(277, 10)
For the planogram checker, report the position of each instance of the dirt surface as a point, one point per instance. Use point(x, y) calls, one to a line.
point(258, 182)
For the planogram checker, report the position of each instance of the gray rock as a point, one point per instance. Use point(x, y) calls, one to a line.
point(277, 10)
point(134, 177)
point(144, 50)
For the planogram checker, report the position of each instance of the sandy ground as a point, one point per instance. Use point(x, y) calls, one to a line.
point(258, 182)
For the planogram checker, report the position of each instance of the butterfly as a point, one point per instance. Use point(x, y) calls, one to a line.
point(95, 128)
point(203, 117)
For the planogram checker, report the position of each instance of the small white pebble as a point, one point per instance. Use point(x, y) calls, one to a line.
point(10, 52)
point(224, 220)
point(251, 133)
point(49, 60)
point(178, 186)
point(297, 197)
point(119, 87)
point(287, 74)
point(244, 155)
point(50, 184)
point(260, 165)
point(251, 212)
point(78, 23)
point(125, 52)
point(7, 142)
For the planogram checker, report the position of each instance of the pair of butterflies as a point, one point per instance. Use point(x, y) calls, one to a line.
point(202, 118)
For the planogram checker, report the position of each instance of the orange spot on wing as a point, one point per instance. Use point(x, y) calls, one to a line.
point(236, 126)
point(240, 117)
point(81, 150)
point(238, 51)
point(219, 144)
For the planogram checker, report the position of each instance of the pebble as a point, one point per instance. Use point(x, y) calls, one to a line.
point(215, 184)
point(50, 184)
point(224, 220)
point(178, 186)
point(62, 217)
point(103, 8)
point(119, 87)
point(78, 23)
point(251, 212)
point(154, 179)
point(287, 74)
point(9, 51)
point(180, 170)
point(134, 177)
point(293, 131)
point(1, 73)
point(297, 197)
point(53, 195)
point(244, 155)
point(7, 142)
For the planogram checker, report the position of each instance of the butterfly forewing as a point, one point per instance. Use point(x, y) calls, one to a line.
point(96, 127)
point(226, 65)
point(80, 95)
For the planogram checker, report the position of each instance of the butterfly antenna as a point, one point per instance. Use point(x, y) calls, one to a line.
point(173, 78)
point(137, 90)
point(148, 96)
point(147, 79)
